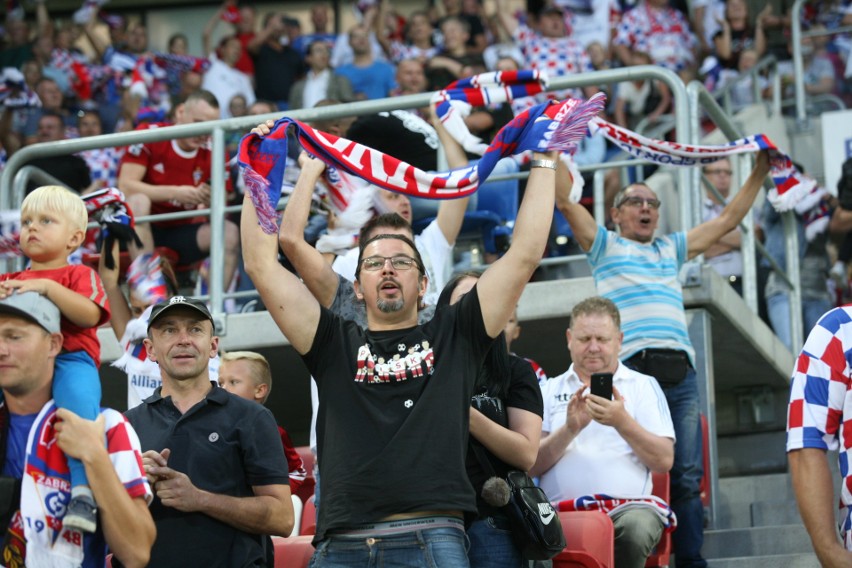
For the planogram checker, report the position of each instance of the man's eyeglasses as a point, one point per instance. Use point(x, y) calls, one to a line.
point(400, 262)
point(719, 172)
point(637, 201)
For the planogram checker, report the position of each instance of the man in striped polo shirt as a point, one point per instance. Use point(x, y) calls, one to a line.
point(639, 273)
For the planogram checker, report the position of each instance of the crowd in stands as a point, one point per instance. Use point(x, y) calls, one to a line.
point(97, 74)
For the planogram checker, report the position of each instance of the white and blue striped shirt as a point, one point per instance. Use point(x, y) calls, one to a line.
point(642, 280)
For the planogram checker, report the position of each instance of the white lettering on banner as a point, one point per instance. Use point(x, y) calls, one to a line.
point(398, 177)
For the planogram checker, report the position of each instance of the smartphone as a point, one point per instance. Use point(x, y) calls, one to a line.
point(602, 385)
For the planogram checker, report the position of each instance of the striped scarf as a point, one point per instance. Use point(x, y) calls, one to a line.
point(458, 98)
point(14, 91)
point(550, 126)
point(611, 505)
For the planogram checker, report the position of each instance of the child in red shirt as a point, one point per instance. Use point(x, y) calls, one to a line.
point(53, 225)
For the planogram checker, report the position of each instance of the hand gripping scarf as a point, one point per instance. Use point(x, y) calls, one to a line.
point(550, 126)
point(108, 208)
point(610, 505)
point(458, 98)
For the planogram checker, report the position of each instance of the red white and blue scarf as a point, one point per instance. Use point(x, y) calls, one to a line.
point(610, 505)
point(790, 184)
point(549, 126)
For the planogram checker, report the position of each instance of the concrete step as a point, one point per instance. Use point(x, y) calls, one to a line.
point(775, 561)
point(758, 541)
point(736, 494)
point(774, 513)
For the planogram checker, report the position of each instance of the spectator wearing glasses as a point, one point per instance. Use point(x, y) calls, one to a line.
point(639, 273)
point(724, 255)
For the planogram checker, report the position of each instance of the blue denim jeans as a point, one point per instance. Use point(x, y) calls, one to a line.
point(778, 307)
point(687, 471)
point(491, 544)
point(430, 548)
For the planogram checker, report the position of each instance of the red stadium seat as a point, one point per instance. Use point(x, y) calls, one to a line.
point(589, 536)
point(293, 552)
point(308, 526)
point(662, 554)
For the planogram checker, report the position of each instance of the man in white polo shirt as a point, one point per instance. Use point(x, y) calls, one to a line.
point(592, 445)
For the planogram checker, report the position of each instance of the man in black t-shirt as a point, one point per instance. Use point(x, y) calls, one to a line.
point(394, 398)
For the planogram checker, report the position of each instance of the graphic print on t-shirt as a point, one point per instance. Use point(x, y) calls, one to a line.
point(413, 362)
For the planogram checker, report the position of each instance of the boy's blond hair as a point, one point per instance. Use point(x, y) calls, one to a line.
point(60, 200)
point(260, 371)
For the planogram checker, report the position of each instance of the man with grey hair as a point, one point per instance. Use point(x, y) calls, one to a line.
point(593, 445)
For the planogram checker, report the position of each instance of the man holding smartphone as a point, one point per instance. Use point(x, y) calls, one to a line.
point(591, 444)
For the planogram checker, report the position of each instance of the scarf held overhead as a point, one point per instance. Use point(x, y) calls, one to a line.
point(456, 101)
point(550, 126)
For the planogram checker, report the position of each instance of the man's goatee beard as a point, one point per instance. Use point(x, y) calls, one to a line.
point(390, 306)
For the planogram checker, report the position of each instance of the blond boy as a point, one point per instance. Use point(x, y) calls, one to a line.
point(53, 225)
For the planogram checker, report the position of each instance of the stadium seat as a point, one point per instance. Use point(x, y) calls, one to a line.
point(589, 536)
point(309, 518)
point(297, 515)
point(293, 552)
point(662, 554)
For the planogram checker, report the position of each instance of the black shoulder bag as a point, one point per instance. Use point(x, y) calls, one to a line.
point(535, 523)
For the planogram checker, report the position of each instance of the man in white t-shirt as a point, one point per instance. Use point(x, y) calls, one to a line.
point(594, 445)
point(223, 79)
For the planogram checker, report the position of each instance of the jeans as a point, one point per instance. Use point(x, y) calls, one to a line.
point(687, 471)
point(77, 387)
point(432, 548)
point(779, 315)
point(491, 544)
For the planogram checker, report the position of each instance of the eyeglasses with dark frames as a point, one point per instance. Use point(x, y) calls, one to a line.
point(399, 262)
point(636, 201)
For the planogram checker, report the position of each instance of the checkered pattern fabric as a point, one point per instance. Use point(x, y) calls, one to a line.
point(820, 410)
point(401, 51)
point(103, 165)
point(662, 33)
point(557, 56)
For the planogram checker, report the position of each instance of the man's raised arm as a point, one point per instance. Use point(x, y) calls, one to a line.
point(290, 304)
point(314, 270)
point(501, 285)
point(583, 225)
point(699, 238)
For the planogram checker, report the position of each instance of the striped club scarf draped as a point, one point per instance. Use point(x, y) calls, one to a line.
point(550, 126)
point(610, 505)
point(459, 97)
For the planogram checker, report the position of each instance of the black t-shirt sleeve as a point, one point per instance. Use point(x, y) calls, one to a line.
point(470, 321)
point(264, 462)
point(325, 341)
point(524, 392)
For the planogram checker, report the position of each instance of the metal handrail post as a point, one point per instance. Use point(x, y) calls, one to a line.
point(215, 283)
point(791, 253)
point(798, 64)
point(700, 96)
point(776, 93)
point(747, 243)
point(599, 194)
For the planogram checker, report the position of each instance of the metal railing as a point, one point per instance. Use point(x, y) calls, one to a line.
point(10, 197)
point(700, 97)
point(798, 59)
point(768, 63)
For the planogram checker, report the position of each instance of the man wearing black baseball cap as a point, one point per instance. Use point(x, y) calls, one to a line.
point(30, 340)
point(213, 459)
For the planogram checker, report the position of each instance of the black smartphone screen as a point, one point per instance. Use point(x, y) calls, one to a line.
point(602, 385)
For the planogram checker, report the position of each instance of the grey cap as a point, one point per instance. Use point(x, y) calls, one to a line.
point(34, 307)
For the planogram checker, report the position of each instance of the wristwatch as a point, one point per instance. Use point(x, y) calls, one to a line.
point(543, 164)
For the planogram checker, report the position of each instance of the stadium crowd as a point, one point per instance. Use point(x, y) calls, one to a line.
point(387, 263)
